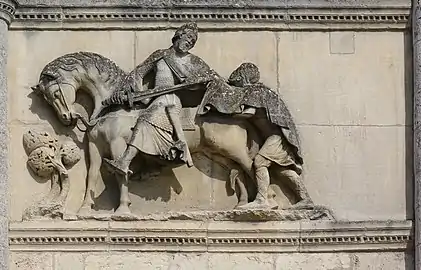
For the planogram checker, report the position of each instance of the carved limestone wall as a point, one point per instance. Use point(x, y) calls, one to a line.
point(345, 72)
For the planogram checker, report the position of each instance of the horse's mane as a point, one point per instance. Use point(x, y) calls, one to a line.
point(83, 62)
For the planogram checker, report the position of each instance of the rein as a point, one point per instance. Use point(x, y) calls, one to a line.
point(88, 125)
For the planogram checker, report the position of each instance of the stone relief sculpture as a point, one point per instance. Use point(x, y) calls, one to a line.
point(245, 97)
point(49, 158)
point(137, 114)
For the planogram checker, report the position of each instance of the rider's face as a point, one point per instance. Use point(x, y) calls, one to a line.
point(185, 42)
point(236, 79)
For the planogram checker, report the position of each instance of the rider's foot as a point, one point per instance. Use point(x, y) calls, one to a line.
point(117, 168)
point(185, 156)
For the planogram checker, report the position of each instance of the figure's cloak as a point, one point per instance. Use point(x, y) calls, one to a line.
point(197, 72)
point(228, 99)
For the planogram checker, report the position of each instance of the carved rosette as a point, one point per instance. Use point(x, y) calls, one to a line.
point(7, 10)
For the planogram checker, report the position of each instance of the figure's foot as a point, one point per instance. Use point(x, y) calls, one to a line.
point(303, 204)
point(123, 213)
point(115, 167)
point(257, 205)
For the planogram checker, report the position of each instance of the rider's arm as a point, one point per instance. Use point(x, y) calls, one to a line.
point(137, 75)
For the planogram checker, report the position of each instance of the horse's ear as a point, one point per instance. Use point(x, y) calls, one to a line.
point(36, 89)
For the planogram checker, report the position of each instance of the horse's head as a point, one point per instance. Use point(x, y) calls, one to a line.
point(60, 95)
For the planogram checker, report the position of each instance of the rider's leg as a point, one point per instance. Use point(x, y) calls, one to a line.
point(122, 164)
point(174, 116)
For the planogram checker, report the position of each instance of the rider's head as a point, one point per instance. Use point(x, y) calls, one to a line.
point(246, 73)
point(185, 37)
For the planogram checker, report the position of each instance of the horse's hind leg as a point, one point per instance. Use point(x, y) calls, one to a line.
point(95, 162)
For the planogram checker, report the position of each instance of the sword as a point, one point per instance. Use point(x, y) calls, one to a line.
point(127, 96)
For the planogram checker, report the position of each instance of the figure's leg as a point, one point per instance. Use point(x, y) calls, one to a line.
point(297, 186)
point(174, 115)
point(261, 165)
point(93, 175)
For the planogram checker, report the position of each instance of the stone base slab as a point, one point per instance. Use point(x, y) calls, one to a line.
point(215, 236)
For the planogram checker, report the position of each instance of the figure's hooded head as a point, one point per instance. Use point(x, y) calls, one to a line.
point(245, 74)
point(185, 37)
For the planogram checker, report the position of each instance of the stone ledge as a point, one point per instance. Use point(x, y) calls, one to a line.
point(220, 3)
point(212, 236)
point(214, 17)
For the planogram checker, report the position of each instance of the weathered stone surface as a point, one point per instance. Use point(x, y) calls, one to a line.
point(31, 260)
point(220, 3)
point(241, 261)
point(212, 261)
point(342, 42)
point(416, 42)
point(189, 261)
point(384, 261)
point(373, 157)
point(69, 261)
point(343, 89)
point(329, 261)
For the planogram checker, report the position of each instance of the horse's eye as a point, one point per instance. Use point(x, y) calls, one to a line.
point(57, 94)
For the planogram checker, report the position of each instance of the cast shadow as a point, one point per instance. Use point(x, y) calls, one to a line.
point(45, 112)
point(409, 174)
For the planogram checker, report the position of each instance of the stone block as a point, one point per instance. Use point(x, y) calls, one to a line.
point(225, 51)
point(69, 261)
point(189, 261)
point(360, 172)
point(384, 261)
point(320, 261)
point(342, 42)
point(128, 261)
point(244, 261)
point(364, 88)
point(31, 261)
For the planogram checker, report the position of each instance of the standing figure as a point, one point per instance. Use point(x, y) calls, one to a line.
point(262, 107)
point(158, 130)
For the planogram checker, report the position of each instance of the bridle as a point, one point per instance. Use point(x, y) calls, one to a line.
point(62, 96)
point(73, 115)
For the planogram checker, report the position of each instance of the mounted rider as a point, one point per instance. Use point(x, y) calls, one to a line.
point(158, 130)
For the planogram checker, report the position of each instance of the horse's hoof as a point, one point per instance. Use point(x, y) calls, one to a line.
point(85, 211)
point(123, 213)
point(240, 204)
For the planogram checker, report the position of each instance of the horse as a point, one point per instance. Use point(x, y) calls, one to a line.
point(99, 77)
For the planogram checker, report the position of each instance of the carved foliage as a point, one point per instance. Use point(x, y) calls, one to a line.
point(48, 158)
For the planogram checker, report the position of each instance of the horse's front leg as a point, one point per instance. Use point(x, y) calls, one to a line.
point(123, 210)
point(95, 161)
